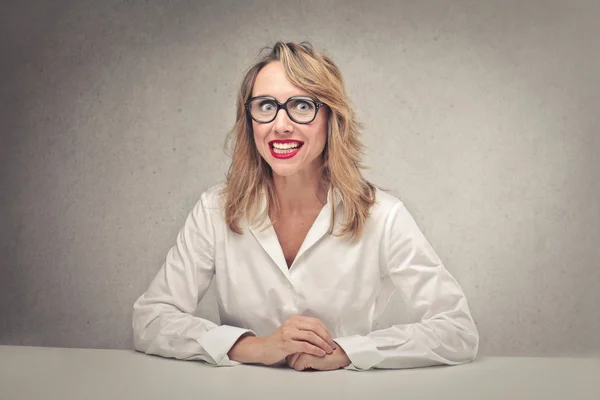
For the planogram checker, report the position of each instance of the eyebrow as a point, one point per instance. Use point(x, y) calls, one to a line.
point(307, 96)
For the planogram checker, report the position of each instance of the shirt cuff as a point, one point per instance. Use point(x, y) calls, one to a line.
point(218, 341)
point(361, 351)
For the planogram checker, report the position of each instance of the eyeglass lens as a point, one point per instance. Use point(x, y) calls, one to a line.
point(299, 110)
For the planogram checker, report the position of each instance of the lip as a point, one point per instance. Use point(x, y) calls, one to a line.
point(287, 155)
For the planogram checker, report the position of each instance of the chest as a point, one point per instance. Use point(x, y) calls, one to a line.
point(291, 233)
point(335, 280)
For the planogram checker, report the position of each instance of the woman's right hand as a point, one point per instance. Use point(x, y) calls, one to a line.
point(296, 335)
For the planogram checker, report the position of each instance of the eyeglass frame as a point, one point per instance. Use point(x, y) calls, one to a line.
point(318, 105)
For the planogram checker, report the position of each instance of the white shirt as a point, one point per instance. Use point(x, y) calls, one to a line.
point(345, 284)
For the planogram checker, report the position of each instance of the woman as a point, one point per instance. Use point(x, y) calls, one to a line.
point(304, 251)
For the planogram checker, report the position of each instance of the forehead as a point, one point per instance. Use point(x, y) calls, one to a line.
point(272, 81)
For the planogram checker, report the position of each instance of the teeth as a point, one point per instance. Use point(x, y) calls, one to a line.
point(283, 146)
point(284, 151)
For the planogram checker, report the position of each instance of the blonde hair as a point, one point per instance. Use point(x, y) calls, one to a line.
point(249, 174)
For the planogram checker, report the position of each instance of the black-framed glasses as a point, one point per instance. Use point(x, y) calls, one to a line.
point(300, 109)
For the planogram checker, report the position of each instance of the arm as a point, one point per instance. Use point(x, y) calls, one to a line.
point(446, 333)
point(163, 323)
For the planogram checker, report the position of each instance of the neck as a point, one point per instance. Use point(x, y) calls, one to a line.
point(302, 193)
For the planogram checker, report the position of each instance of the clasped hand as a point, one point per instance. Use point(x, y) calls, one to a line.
point(304, 342)
point(302, 361)
point(324, 355)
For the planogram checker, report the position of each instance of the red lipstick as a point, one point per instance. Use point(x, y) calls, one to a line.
point(285, 153)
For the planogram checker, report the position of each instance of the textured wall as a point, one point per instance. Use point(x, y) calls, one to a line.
point(482, 116)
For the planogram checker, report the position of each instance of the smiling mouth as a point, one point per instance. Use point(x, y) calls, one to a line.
point(285, 148)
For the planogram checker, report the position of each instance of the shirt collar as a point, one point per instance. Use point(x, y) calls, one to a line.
point(267, 237)
point(334, 195)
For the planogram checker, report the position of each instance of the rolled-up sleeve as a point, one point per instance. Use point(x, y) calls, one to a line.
point(445, 333)
point(163, 323)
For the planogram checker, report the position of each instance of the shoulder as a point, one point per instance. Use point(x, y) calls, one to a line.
point(390, 213)
point(385, 204)
point(396, 220)
point(211, 201)
point(213, 196)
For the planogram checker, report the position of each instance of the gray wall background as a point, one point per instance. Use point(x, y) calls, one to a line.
point(482, 116)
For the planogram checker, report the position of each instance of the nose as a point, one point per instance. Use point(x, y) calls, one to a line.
point(283, 123)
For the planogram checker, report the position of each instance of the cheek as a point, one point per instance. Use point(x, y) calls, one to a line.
point(321, 134)
point(259, 133)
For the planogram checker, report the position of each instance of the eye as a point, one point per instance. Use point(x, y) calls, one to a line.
point(303, 105)
point(266, 105)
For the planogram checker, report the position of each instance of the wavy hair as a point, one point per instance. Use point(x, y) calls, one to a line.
point(250, 176)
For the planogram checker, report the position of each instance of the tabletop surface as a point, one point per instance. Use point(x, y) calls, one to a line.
point(58, 373)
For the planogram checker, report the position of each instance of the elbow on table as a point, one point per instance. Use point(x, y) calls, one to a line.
point(139, 344)
point(469, 345)
point(471, 351)
point(141, 325)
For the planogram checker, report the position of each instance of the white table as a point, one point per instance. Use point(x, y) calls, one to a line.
point(55, 373)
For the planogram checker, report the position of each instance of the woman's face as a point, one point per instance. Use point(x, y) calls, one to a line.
point(284, 133)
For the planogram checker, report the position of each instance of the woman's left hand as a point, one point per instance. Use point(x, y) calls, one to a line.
point(302, 361)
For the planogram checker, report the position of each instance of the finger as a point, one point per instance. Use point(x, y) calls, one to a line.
point(288, 358)
point(301, 363)
point(323, 329)
point(316, 326)
point(293, 358)
point(298, 346)
point(312, 338)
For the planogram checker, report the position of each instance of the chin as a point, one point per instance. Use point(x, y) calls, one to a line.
point(284, 170)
